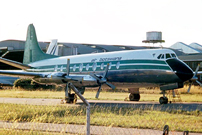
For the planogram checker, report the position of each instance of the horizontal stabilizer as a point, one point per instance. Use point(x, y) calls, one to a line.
point(14, 63)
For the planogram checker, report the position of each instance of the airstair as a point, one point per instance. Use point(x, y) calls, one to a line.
point(174, 96)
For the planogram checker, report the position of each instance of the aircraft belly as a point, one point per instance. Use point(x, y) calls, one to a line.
point(142, 78)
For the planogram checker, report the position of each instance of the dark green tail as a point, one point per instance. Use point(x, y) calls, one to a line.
point(32, 51)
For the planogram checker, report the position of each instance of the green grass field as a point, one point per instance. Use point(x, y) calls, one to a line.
point(110, 116)
point(104, 116)
point(146, 95)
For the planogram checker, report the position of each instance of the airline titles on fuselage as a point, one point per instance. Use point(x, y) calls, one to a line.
point(107, 59)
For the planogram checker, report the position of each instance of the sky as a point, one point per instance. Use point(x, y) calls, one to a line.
point(112, 22)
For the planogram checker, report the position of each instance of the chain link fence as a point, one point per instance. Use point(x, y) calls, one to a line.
point(106, 119)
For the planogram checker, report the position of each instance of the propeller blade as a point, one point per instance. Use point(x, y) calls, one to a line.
point(194, 78)
point(94, 76)
point(111, 85)
point(68, 66)
point(102, 80)
point(197, 69)
point(106, 70)
point(199, 83)
point(190, 84)
point(98, 92)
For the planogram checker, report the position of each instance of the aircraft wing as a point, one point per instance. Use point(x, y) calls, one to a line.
point(48, 75)
point(14, 63)
point(20, 73)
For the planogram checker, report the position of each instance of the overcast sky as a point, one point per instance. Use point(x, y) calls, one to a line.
point(117, 22)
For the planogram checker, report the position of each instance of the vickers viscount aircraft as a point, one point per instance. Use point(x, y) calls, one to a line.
point(122, 69)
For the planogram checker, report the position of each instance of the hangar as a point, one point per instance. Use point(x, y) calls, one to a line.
point(13, 50)
point(192, 53)
point(188, 49)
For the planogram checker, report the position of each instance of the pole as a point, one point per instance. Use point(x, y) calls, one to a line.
point(87, 108)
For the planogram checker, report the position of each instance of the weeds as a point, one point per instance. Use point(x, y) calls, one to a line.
point(105, 116)
point(145, 96)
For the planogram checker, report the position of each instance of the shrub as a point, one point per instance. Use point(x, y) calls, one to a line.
point(29, 84)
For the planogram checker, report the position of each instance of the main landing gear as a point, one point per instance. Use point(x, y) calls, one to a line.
point(164, 99)
point(134, 97)
point(69, 98)
point(134, 94)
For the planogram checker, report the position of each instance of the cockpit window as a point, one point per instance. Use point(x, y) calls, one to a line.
point(162, 57)
point(173, 55)
point(168, 55)
point(159, 56)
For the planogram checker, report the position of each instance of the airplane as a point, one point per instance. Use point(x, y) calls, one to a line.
point(131, 69)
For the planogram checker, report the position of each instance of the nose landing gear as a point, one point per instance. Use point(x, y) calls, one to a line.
point(164, 99)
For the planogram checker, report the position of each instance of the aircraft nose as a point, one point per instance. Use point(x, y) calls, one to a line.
point(182, 70)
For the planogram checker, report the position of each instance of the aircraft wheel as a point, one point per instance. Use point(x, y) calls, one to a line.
point(134, 97)
point(163, 100)
point(67, 100)
point(72, 99)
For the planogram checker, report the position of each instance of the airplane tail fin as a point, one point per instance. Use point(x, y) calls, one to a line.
point(32, 51)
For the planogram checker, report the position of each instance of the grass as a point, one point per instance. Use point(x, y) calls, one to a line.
point(24, 132)
point(109, 116)
point(146, 95)
point(177, 120)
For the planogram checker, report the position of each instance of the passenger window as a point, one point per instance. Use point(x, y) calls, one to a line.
point(162, 57)
point(87, 67)
point(102, 66)
point(173, 55)
point(159, 56)
point(110, 65)
point(80, 67)
point(94, 66)
point(168, 55)
point(74, 68)
point(56, 68)
point(117, 65)
point(61, 68)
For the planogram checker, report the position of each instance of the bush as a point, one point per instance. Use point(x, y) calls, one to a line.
point(29, 84)
point(24, 83)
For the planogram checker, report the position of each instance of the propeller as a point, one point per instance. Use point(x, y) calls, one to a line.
point(68, 66)
point(194, 78)
point(102, 80)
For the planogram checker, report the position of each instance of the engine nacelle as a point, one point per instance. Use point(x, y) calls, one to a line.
point(172, 86)
point(52, 78)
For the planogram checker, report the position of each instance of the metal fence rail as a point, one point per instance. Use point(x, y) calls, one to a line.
point(104, 119)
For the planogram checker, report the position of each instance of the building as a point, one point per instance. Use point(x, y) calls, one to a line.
point(188, 49)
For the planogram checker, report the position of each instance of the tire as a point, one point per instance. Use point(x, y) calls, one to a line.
point(163, 100)
point(134, 97)
point(72, 99)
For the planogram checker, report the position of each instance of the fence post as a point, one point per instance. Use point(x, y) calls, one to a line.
point(87, 108)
